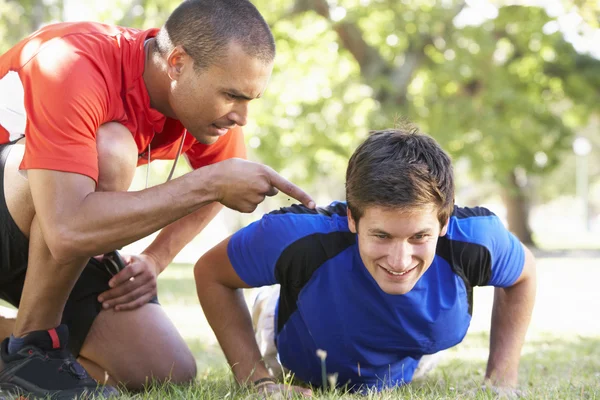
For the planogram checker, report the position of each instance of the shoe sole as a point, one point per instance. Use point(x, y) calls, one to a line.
point(12, 389)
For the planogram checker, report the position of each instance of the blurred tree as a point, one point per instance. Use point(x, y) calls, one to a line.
point(497, 86)
point(18, 18)
point(504, 92)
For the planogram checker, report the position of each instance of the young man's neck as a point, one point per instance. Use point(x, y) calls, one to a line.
point(156, 80)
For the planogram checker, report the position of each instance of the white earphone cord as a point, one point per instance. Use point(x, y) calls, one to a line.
point(174, 161)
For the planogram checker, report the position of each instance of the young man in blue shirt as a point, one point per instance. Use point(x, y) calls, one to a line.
point(377, 282)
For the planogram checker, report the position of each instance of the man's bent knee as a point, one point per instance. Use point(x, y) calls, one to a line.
point(117, 157)
point(139, 347)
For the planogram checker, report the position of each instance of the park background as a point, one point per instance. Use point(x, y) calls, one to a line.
point(511, 89)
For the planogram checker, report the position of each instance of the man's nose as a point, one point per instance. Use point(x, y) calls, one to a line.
point(239, 114)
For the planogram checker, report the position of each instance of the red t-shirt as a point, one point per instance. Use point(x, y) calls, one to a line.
point(61, 83)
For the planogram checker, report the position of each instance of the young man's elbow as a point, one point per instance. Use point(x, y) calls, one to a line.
point(202, 273)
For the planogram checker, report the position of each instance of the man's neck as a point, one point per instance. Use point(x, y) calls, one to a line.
point(156, 80)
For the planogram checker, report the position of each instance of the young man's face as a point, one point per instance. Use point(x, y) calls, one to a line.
point(214, 100)
point(397, 246)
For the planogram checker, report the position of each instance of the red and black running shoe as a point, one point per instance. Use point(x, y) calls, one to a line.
point(43, 368)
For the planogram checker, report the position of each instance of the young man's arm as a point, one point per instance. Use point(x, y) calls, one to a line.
point(225, 309)
point(511, 314)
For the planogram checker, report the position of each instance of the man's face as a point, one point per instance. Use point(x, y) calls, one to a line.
point(397, 246)
point(210, 102)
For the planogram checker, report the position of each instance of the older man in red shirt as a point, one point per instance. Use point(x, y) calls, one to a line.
point(81, 105)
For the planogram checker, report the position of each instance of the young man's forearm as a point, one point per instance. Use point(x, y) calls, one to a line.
point(173, 238)
point(228, 315)
point(510, 319)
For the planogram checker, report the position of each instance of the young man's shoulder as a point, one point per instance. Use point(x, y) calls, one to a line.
point(473, 224)
point(335, 208)
point(479, 247)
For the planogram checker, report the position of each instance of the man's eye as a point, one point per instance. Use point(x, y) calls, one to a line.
point(420, 236)
point(381, 236)
point(231, 96)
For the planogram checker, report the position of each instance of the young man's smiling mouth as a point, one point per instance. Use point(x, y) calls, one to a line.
point(398, 273)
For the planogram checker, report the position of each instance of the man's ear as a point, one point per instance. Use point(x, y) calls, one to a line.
point(176, 61)
point(445, 228)
point(351, 222)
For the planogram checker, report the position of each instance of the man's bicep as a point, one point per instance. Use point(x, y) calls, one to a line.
point(56, 195)
point(216, 265)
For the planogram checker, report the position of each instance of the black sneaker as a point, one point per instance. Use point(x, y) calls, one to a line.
point(43, 368)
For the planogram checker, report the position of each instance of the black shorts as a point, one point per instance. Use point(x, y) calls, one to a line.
point(82, 305)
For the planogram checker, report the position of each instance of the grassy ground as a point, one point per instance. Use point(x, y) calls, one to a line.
point(561, 359)
point(551, 368)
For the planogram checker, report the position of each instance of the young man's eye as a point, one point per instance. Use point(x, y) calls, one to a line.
point(421, 236)
point(381, 236)
point(230, 96)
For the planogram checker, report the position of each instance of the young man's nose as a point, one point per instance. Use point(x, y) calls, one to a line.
point(400, 257)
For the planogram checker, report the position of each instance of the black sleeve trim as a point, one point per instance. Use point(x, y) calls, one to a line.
point(299, 261)
point(335, 208)
point(471, 262)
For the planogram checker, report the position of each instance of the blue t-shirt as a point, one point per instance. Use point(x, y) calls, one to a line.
point(330, 301)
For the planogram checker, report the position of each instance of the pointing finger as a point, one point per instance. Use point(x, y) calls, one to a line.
point(290, 189)
point(272, 191)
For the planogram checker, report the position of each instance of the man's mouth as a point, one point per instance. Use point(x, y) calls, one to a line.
point(220, 130)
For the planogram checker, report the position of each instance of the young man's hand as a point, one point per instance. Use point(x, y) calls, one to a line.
point(279, 391)
point(241, 185)
point(134, 286)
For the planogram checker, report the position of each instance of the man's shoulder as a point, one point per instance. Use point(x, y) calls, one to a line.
point(82, 29)
point(88, 40)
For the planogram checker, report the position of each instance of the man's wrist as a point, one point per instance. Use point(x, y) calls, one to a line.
point(158, 261)
point(209, 190)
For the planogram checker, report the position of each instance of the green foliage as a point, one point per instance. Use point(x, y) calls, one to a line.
point(500, 93)
point(488, 92)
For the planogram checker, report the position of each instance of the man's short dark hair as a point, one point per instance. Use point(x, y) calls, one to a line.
point(205, 28)
point(400, 168)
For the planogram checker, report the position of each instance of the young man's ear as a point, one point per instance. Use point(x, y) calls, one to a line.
point(176, 61)
point(445, 227)
point(351, 222)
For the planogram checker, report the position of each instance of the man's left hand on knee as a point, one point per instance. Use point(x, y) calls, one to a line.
point(133, 286)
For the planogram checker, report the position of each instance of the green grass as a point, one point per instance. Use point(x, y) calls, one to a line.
point(551, 368)
point(561, 365)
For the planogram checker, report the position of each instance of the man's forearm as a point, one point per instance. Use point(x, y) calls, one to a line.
point(104, 221)
point(173, 238)
point(227, 312)
point(510, 318)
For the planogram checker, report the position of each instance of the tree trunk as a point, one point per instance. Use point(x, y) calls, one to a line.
point(38, 9)
point(517, 205)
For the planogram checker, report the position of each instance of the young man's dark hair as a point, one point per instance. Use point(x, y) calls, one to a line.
point(204, 28)
point(400, 168)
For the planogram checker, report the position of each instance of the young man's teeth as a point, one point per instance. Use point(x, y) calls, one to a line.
point(396, 273)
